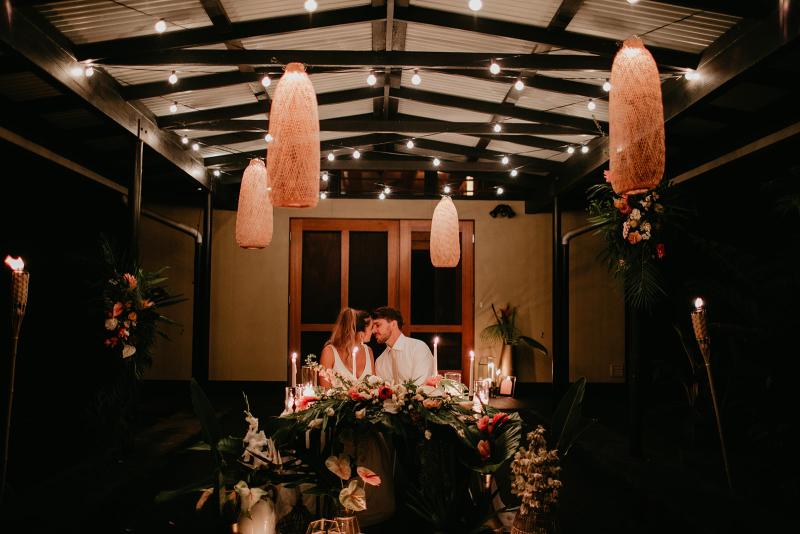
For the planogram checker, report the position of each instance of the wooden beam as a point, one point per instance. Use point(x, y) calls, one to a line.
point(580, 124)
point(737, 53)
point(99, 92)
point(146, 44)
point(515, 161)
point(362, 59)
point(557, 38)
point(565, 13)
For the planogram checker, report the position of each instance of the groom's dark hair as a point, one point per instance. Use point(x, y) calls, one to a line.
point(389, 314)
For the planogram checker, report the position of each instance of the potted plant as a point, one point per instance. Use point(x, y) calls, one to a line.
point(505, 330)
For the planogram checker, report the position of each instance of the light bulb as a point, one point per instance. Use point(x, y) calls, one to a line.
point(184, 140)
point(475, 5)
point(323, 195)
point(514, 173)
point(410, 143)
point(436, 162)
point(504, 161)
point(310, 5)
point(606, 86)
point(161, 26)
point(494, 68)
point(76, 71)
point(88, 71)
point(371, 79)
point(500, 190)
point(324, 176)
point(356, 154)
point(584, 149)
point(415, 79)
point(173, 78)
point(497, 128)
point(591, 105)
point(265, 81)
point(195, 147)
point(217, 173)
point(386, 190)
point(570, 150)
point(519, 85)
point(447, 190)
point(382, 196)
point(331, 157)
point(173, 108)
point(692, 75)
point(698, 303)
point(632, 1)
point(268, 138)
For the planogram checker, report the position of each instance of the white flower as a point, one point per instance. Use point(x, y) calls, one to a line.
point(373, 380)
point(646, 236)
point(361, 413)
point(461, 432)
point(111, 324)
point(339, 466)
point(636, 214)
point(625, 229)
point(315, 423)
point(353, 497)
point(431, 391)
point(427, 434)
point(128, 351)
point(329, 411)
point(391, 406)
point(646, 227)
point(248, 496)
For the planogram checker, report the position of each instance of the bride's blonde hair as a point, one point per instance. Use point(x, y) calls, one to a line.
point(349, 323)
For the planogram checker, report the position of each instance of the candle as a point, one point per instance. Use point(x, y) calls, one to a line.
point(308, 390)
point(294, 369)
point(436, 356)
point(471, 365)
point(355, 354)
point(506, 386)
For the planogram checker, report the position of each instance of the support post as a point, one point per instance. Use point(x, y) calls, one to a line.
point(135, 198)
point(202, 295)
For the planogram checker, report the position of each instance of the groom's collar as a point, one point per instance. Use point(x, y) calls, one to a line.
point(399, 343)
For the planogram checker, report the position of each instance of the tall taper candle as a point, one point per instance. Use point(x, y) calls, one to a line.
point(471, 365)
point(294, 369)
point(436, 356)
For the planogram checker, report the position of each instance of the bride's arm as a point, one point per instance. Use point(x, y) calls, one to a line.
point(326, 360)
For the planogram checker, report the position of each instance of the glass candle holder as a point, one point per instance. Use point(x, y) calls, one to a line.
point(453, 375)
point(309, 376)
point(289, 399)
point(482, 388)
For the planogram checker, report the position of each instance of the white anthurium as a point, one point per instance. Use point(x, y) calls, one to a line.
point(360, 414)
point(128, 351)
point(431, 391)
point(248, 496)
point(111, 323)
point(353, 497)
point(339, 466)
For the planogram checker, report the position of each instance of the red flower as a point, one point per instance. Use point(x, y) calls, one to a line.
point(122, 333)
point(304, 402)
point(497, 420)
point(117, 309)
point(111, 342)
point(385, 392)
point(484, 449)
point(132, 282)
point(483, 423)
point(355, 395)
point(660, 251)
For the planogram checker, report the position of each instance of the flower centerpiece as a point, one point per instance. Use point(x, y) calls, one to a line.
point(506, 331)
point(536, 482)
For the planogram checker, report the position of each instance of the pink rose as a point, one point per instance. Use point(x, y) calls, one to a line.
point(355, 395)
point(483, 423)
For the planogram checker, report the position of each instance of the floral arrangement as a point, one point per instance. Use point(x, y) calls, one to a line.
point(536, 474)
point(352, 497)
point(634, 228)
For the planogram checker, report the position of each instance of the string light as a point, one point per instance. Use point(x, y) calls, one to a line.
point(692, 75)
point(217, 173)
point(323, 195)
point(324, 176)
point(475, 5)
point(497, 128)
point(265, 81)
point(607, 86)
point(331, 157)
point(382, 196)
point(161, 26)
point(504, 161)
point(631, 2)
point(500, 191)
point(494, 68)
point(415, 79)
point(173, 108)
point(410, 144)
point(371, 79)
point(356, 154)
point(591, 105)
point(310, 5)
point(268, 138)
point(519, 85)
point(184, 140)
point(88, 71)
point(514, 173)
point(570, 150)
point(386, 190)
point(436, 162)
point(195, 146)
point(76, 71)
point(447, 190)
point(173, 78)
point(584, 149)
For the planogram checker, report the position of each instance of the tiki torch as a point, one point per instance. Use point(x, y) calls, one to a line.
point(19, 301)
point(700, 325)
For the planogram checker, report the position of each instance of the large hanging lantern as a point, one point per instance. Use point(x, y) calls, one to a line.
point(445, 241)
point(254, 216)
point(636, 120)
point(293, 153)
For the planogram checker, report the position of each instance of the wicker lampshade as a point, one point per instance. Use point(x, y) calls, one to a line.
point(293, 154)
point(254, 216)
point(636, 120)
point(445, 241)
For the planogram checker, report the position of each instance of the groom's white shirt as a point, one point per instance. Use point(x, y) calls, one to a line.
point(413, 358)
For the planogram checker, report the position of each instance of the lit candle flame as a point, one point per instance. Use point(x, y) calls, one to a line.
point(294, 357)
point(472, 355)
point(436, 340)
point(699, 303)
point(15, 263)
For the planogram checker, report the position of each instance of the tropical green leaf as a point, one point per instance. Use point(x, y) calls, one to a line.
point(568, 422)
point(532, 343)
point(194, 487)
point(206, 414)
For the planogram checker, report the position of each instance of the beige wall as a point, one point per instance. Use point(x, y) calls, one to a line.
point(164, 246)
point(250, 289)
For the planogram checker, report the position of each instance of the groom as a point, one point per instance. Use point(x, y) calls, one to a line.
point(405, 359)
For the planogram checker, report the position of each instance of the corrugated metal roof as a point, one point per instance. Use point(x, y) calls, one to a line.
point(506, 147)
point(533, 12)
point(343, 37)
point(24, 86)
point(88, 21)
point(428, 38)
point(447, 137)
point(356, 107)
point(680, 28)
point(566, 104)
point(136, 75)
point(458, 85)
point(260, 9)
point(327, 82)
point(421, 109)
point(205, 99)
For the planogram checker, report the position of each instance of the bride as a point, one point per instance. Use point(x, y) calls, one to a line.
point(348, 346)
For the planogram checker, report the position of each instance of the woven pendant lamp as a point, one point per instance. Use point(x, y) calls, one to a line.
point(293, 153)
point(254, 216)
point(636, 120)
point(445, 241)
